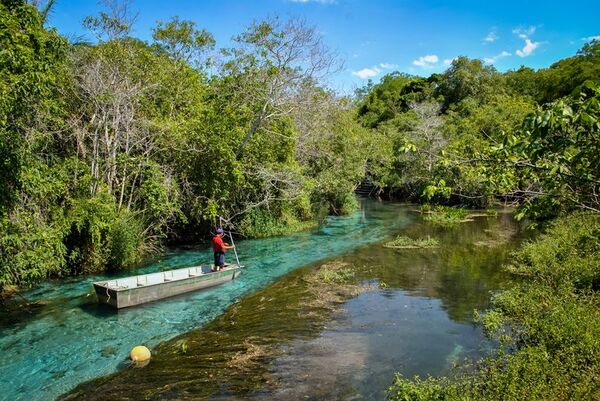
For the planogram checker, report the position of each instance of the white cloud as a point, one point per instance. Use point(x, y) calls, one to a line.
point(590, 38)
point(491, 37)
point(524, 33)
point(426, 61)
point(366, 73)
point(492, 60)
point(371, 72)
point(528, 48)
point(449, 61)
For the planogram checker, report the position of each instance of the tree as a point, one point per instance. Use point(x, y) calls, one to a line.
point(467, 79)
point(117, 22)
point(29, 68)
point(44, 8)
point(426, 136)
point(275, 60)
point(182, 40)
point(566, 76)
point(557, 151)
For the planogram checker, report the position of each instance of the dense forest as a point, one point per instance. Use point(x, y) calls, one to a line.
point(114, 148)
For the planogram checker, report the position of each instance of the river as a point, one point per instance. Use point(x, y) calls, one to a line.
point(416, 318)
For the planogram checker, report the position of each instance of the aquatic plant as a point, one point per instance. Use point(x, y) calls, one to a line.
point(403, 242)
point(336, 276)
point(491, 212)
point(446, 215)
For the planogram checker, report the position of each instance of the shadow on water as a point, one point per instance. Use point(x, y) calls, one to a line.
point(295, 340)
point(98, 310)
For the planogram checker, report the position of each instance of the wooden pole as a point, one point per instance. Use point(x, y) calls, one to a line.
point(234, 249)
point(232, 243)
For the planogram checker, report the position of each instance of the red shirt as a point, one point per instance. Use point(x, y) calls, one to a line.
point(218, 244)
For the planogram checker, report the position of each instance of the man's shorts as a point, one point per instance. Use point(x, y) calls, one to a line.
point(219, 258)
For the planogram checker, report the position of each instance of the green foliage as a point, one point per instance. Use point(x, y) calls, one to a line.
point(566, 76)
point(338, 276)
point(109, 149)
point(407, 242)
point(261, 222)
point(555, 152)
point(31, 59)
point(467, 79)
point(439, 214)
point(550, 321)
point(181, 39)
point(492, 139)
point(392, 96)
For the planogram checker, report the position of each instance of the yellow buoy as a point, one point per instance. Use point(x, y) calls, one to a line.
point(140, 354)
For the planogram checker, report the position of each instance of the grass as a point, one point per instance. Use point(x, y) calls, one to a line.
point(491, 212)
point(340, 276)
point(445, 214)
point(403, 242)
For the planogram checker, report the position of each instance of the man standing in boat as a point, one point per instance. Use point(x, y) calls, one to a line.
point(219, 247)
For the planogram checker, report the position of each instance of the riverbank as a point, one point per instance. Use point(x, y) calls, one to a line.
point(548, 325)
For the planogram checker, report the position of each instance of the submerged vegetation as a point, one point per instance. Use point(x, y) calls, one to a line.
point(219, 360)
point(403, 242)
point(338, 276)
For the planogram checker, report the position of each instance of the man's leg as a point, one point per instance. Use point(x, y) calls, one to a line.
point(217, 260)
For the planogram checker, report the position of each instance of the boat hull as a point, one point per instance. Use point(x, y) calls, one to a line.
point(125, 297)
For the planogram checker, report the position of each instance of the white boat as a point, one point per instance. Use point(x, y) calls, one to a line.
point(136, 290)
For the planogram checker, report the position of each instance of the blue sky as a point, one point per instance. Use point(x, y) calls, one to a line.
point(379, 36)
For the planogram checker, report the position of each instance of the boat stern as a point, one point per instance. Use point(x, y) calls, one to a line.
point(105, 294)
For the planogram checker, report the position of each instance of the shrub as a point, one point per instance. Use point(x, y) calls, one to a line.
point(262, 222)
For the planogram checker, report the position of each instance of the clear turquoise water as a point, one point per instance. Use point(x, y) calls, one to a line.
point(73, 339)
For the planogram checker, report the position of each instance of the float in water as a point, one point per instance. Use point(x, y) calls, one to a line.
point(136, 290)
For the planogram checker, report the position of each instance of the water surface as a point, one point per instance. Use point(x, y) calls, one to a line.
point(72, 339)
point(290, 341)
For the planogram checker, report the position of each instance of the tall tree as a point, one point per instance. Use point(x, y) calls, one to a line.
point(272, 65)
